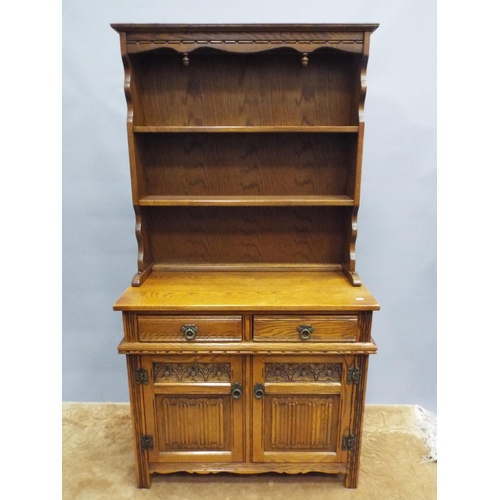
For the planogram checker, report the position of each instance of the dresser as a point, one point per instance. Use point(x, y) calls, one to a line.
point(247, 330)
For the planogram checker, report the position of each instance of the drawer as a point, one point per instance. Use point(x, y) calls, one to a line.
point(334, 328)
point(155, 328)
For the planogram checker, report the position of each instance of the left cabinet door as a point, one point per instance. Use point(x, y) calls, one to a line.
point(194, 408)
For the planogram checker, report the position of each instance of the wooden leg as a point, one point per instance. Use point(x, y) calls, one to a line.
point(351, 478)
point(352, 474)
point(138, 424)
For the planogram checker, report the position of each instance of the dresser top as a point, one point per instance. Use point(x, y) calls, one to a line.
point(241, 27)
point(246, 291)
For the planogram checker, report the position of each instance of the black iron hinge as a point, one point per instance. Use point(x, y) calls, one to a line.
point(141, 376)
point(146, 442)
point(353, 375)
point(348, 442)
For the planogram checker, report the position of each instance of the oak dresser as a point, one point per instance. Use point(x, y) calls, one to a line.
point(247, 328)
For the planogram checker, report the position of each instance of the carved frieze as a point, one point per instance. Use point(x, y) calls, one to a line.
point(191, 372)
point(303, 372)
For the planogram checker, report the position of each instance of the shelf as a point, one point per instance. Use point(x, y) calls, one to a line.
point(242, 291)
point(264, 201)
point(237, 129)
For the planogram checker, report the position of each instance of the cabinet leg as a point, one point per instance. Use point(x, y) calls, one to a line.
point(138, 424)
point(351, 477)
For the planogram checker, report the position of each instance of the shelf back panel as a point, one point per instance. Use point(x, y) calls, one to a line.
point(246, 164)
point(247, 235)
point(263, 89)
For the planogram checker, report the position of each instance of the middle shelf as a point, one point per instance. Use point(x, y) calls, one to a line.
point(246, 169)
point(245, 129)
point(264, 201)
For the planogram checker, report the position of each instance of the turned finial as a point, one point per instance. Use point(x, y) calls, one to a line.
point(185, 59)
point(305, 59)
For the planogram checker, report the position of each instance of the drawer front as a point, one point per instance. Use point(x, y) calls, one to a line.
point(339, 328)
point(155, 328)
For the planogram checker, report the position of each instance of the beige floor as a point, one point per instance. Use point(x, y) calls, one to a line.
point(98, 464)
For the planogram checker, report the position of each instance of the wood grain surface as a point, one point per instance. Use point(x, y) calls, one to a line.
point(247, 291)
point(158, 328)
point(252, 235)
point(267, 89)
point(245, 147)
point(205, 425)
point(288, 165)
point(340, 328)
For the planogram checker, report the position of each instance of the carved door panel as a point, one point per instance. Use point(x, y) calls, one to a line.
point(194, 408)
point(301, 408)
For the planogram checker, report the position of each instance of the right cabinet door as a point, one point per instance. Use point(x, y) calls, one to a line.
point(301, 408)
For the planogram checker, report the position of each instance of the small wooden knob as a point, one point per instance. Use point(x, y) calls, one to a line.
point(185, 59)
point(305, 59)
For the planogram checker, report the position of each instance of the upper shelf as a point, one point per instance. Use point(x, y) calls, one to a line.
point(236, 129)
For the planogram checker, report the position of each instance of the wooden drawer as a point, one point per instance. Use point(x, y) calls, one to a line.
point(334, 328)
point(156, 328)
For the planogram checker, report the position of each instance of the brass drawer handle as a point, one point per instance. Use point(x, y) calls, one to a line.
point(258, 390)
point(236, 390)
point(189, 331)
point(305, 331)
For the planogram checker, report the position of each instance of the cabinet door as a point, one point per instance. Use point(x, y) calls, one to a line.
point(301, 409)
point(194, 408)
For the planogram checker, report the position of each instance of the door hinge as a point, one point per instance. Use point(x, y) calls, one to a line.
point(353, 375)
point(348, 442)
point(146, 442)
point(141, 376)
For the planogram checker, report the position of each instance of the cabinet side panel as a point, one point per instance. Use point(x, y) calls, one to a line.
point(144, 262)
point(357, 413)
point(138, 422)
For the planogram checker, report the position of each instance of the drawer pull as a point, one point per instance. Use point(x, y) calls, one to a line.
point(258, 390)
point(305, 331)
point(189, 331)
point(236, 390)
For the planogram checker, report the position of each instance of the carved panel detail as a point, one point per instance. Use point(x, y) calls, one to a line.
point(191, 372)
point(194, 423)
point(301, 423)
point(303, 372)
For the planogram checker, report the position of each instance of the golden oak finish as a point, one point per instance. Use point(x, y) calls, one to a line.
point(160, 328)
point(339, 328)
point(247, 347)
point(247, 330)
point(295, 140)
point(138, 423)
point(253, 129)
point(246, 291)
point(190, 410)
point(301, 418)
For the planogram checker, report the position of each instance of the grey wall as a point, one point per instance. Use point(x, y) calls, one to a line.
point(396, 248)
